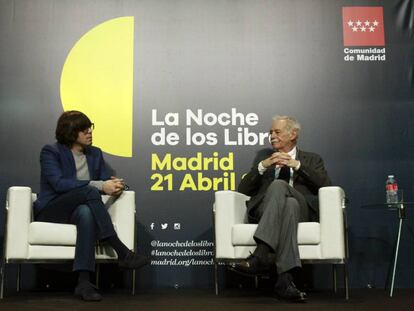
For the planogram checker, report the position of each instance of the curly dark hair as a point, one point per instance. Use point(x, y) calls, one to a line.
point(69, 125)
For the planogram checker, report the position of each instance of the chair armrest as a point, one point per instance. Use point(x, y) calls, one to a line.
point(229, 209)
point(331, 210)
point(122, 213)
point(18, 218)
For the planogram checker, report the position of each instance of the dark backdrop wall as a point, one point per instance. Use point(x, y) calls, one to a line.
point(259, 57)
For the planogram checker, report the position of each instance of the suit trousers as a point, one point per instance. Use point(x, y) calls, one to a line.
point(281, 210)
point(84, 208)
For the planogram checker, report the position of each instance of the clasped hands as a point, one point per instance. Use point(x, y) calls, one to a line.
point(113, 186)
point(280, 159)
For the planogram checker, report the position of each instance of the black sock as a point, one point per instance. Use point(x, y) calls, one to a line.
point(84, 276)
point(283, 280)
point(262, 250)
point(119, 247)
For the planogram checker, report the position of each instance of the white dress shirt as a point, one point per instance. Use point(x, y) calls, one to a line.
point(293, 154)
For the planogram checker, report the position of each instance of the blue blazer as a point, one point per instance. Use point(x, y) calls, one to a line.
point(58, 172)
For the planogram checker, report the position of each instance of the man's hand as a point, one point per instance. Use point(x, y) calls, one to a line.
point(280, 159)
point(113, 186)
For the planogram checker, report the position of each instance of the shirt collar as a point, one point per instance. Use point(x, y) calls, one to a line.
point(293, 153)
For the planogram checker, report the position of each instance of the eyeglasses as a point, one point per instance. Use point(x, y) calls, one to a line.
point(91, 128)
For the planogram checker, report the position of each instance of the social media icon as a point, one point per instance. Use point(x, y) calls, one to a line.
point(164, 226)
point(177, 226)
point(152, 225)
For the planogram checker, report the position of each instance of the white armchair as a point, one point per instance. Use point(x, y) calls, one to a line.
point(319, 242)
point(28, 241)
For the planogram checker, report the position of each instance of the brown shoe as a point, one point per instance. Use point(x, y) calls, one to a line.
point(252, 265)
point(286, 290)
point(87, 292)
point(133, 260)
point(290, 294)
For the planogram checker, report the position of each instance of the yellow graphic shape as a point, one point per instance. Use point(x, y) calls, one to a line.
point(97, 79)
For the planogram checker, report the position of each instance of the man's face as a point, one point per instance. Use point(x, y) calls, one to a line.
point(85, 137)
point(280, 138)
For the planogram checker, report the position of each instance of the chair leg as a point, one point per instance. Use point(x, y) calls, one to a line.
point(3, 278)
point(133, 281)
point(256, 282)
point(216, 287)
point(334, 282)
point(18, 281)
point(97, 274)
point(346, 280)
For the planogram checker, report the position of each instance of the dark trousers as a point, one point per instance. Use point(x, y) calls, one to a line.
point(281, 210)
point(84, 208)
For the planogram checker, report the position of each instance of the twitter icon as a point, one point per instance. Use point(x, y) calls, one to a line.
point(164, 226)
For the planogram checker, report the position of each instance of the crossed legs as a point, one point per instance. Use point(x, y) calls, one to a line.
point(84, 208)
point(279, 214)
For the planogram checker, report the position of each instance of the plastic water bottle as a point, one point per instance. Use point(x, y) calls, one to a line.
point(391, 188)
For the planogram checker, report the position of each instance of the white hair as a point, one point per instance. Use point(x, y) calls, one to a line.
point(291, 123)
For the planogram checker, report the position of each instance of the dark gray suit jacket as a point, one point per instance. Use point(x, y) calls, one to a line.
point(307, 180)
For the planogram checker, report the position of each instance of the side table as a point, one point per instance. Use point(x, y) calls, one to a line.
point(401, 207)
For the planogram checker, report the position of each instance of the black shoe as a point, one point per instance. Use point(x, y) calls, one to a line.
point(87, 291)
point(252, 265)
point(133, 260)
point(290, 293)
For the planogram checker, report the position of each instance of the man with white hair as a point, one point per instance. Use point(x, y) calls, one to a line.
point(283, 184)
